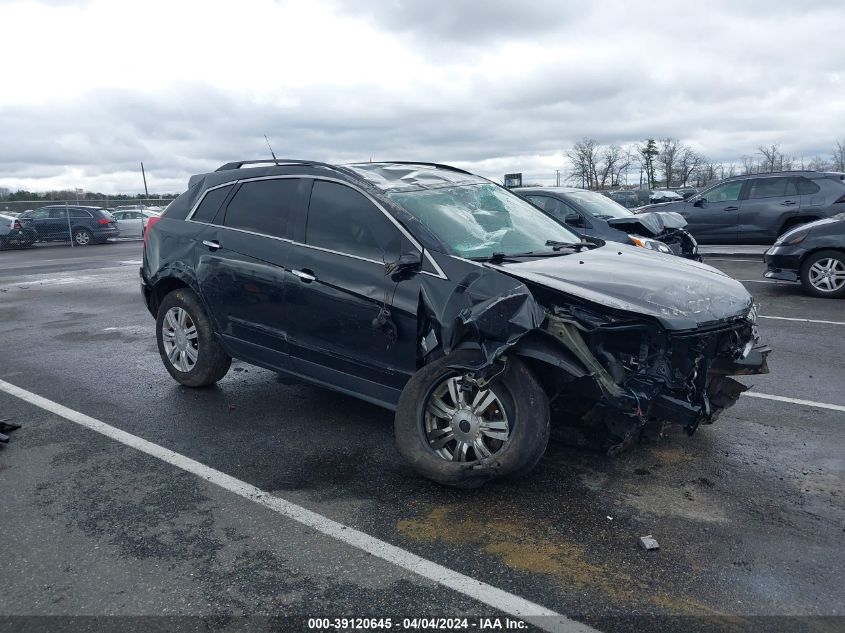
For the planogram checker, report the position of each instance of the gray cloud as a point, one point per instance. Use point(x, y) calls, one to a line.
point(710, 81)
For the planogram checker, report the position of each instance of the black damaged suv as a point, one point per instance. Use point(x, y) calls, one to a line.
point(443, 296)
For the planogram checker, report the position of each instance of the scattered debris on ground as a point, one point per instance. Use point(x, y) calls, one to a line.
point(649, 542)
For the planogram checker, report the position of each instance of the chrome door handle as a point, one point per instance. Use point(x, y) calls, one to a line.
point(305, 275)
point(731, 208)
point(787, 203)
point(212, 244)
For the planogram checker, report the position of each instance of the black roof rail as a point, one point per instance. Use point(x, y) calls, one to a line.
point(278, 162)
point(418, 162)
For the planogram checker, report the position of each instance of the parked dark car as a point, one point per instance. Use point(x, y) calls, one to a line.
point(13, 234)
point(86, 225)
point(756, 209)
point(592, 214)
point(629, 198)
point(441, 295)
point(813, 254)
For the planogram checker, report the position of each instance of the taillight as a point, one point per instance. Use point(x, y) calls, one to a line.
point(103, 221)
point(17, 225)
point(151, 222)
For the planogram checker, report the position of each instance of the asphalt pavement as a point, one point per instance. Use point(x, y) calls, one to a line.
point(264, 498)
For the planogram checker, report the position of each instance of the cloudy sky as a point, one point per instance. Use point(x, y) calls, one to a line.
point(90, 88)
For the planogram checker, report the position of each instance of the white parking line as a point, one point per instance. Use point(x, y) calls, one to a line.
point(761, 316)
point(808, 403)
point(501, 600)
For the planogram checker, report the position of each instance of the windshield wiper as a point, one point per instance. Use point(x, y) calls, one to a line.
point(495, 258)
point(556, 246)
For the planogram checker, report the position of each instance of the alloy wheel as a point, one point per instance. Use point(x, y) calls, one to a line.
point(82, 238)
point(464, 423)
point(827, 275)
point(181, 343)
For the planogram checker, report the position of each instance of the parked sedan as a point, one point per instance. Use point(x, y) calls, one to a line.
point(133, 223)
point(13, 234)
point(756, 209)
point(813, 254)
point(83, 225)
point(593, 214)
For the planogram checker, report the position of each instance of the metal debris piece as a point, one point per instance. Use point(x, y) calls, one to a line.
point(649, 542)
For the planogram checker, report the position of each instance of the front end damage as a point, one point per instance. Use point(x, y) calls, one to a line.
point(612, 375)
point(641, 377)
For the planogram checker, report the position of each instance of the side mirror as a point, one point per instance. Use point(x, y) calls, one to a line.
point(699, 202)
point(407, 265)
point(574, 219)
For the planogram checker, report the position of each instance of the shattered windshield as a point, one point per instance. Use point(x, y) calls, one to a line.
point(483, 219)
point(598, 205)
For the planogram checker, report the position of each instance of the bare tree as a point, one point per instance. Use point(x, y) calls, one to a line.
point(749, 165)
point(670, 151)
point(689, 160)
point(625, 159)
point(584, 156)
point(818, 163)
point(772, 158)
point(610, 158)
point(838, 156)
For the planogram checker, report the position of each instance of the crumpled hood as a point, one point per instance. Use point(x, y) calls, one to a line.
point(650, 223)
point(680, 293)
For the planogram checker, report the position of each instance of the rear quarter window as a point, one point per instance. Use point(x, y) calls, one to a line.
point(210, 204)
point(806, 187)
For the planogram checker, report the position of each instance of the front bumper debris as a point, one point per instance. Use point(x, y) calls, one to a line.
point(642, 378)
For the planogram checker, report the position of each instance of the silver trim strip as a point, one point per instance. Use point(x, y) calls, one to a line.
point(425, 253)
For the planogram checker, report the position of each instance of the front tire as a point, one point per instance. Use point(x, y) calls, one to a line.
point(459, 435)
point(823, 274)
point(186, 341)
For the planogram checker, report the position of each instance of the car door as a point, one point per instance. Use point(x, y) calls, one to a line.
point(56, 224)
point(767, 204)
point(240, 265)
point(351, 325)
point(713, 216)
point(813, 201)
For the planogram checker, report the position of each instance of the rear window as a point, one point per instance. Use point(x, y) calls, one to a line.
point(210, 204)
point(262, 206)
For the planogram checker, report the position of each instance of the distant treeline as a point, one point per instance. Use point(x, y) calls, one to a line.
point(669, 162)
point(23, 195)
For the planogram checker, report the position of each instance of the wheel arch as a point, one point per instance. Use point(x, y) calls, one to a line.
point(793, 221)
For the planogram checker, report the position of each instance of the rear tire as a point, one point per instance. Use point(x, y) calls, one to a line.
point(186, 341)
point(82, 237)
point(518, 410)
point(823, 274)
